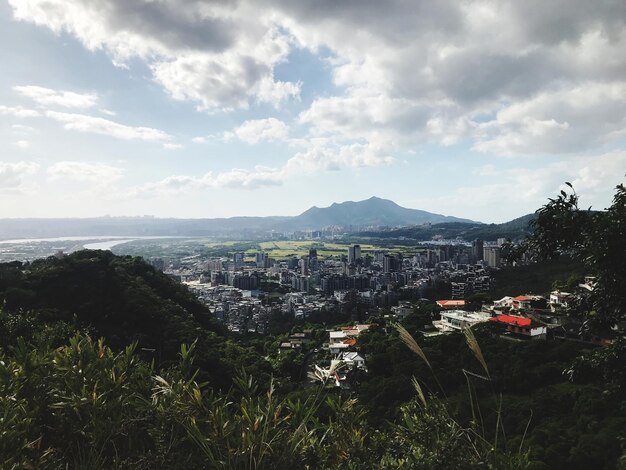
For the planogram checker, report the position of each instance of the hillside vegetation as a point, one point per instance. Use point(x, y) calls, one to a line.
point(124, 300)
point(514, 230)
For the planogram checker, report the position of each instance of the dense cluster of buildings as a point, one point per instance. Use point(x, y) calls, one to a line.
point(245, 290)
point(376, 279)
point(241, 310)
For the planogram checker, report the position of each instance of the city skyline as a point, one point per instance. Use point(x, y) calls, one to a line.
point(203, 109)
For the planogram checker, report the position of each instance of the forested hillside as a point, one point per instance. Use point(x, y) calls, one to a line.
point(515, 230)
point(124, 300)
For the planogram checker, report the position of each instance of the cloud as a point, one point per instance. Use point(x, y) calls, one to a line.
point(236, 179)
point(23, 144)
point(509, 77)
point(496, 189)
point(255, 131)
point(14, 176)
point(567, 120)
point(97, 125)
point(427, 72)
point(269, 90)
point(49, 97)
point(18, 111)
point(328, 156)
point(201, 140)
point(230, 79)
point(220, 55)
point(370, 117)
point(21, 129)
point(170, 146)
point(99, 178)
point(244, 179)
point(321, 156)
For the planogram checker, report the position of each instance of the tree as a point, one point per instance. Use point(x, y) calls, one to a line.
point(597, 239)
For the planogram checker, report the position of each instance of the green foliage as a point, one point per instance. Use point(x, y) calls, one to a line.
point(532, 390)
point(422, 316)
point(514, 229)
point(82, 404)
point(537, 278)
point(429, 438)
point(124, 300)
point(86, 406)
point(596, 238)
point(605, 365)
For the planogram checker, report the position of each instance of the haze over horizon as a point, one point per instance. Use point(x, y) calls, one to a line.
point(205, 109)
point(301, 212)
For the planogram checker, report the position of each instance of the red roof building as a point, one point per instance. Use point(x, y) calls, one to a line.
point(511, 320)
point(521, 326)
point(451, 304)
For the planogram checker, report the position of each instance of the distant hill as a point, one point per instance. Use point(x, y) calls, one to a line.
point(370, 212)
point(514, 229)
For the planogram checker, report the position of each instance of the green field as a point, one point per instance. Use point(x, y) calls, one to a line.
point(278, 250)
point(286, 249)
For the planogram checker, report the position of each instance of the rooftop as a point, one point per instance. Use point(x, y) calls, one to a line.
point(511, 320)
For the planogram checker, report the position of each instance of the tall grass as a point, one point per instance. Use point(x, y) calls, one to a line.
point(491, 451)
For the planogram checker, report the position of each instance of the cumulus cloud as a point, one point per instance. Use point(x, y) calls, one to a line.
point(220, 55)
point(327, 156)
point(427, 71)
point(14, 176)
point(229, 80)
point(510, 77)
point(568, 120)
point(97, 125)
point(255, 131)
point(49, 97)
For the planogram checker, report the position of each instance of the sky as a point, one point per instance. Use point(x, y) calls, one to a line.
point(217, 108)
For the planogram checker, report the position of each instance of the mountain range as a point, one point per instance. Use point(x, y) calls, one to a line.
point(351, 215)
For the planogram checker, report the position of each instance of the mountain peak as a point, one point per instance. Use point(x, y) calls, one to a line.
point(372, 211)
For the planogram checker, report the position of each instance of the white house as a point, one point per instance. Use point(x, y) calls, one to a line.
point(338, 348)
point(560, 299)
point(337, 336)
point(460, 319)
point(352, 359)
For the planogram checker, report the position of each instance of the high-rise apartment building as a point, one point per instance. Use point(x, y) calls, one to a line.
point(491, 255)
point(354, 254)
point(477, 250)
